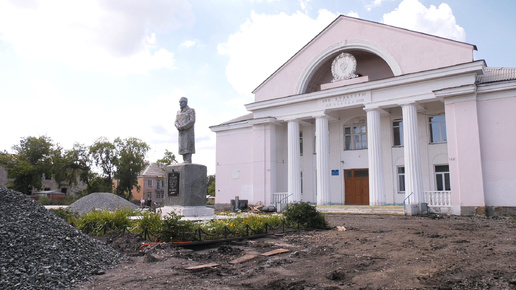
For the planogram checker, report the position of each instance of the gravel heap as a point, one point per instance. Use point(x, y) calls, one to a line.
point(102, 201)
point(42, 251)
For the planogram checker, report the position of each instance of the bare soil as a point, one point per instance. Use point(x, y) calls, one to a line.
point(373, 252)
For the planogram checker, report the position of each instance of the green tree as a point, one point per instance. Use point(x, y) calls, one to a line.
point(168, 158)
point(130, 162)
point(211, 185)
point(72, 167)
point(105, 157)
point(31, 162)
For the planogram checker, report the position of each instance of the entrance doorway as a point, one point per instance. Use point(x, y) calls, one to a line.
point(356, 190)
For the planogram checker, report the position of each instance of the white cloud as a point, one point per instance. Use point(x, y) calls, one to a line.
point(375, 3)
point(413, 15)
point(109, 36)
point(353, 14)
point(188, 43)
point(265, 42)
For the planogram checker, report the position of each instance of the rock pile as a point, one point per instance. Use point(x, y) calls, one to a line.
point(40, 250)
point(101, 201)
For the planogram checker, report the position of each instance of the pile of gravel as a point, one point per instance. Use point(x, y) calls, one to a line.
point(101, 201)
point(42, 251)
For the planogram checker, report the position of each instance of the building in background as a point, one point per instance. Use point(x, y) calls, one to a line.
point(370, 114)
point(151, 182)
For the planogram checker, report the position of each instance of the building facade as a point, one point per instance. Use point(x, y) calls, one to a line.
point(370, 114)
point(151, 184)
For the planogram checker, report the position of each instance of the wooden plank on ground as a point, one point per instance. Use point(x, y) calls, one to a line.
point(275, 252)
point(202, 266)
point(247, 257)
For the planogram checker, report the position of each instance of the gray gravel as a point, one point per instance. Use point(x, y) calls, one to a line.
point(102, 201)
point(41, 251)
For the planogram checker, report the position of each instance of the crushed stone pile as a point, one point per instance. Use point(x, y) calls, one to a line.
point(42, 251)
point(101, 201)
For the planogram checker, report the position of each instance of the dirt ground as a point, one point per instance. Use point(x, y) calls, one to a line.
point(373, 252)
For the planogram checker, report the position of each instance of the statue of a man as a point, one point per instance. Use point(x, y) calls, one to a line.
point(185, 120)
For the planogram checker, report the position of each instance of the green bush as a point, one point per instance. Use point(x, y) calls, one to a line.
point(66, 214)
point(97, 222)
point(44, 200)
point(173, 228)
point(151, 222)
point(305, 215)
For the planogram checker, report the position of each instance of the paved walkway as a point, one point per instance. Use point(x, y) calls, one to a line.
point(363, 209)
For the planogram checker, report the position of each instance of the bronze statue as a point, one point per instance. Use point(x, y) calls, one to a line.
point(185, 120)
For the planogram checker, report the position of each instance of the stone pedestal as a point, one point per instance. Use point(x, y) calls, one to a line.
point(185, 190)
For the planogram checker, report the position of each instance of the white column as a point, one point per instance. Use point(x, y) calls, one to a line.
point(294, 173)
point(374, 151)
point(413, 173)
point(322, 148)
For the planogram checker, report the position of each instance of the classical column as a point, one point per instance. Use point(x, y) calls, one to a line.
point(413, 173)
point(374, 151)
point(322, 148)
point(294, 173)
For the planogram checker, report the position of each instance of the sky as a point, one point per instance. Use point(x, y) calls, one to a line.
point(78, 70)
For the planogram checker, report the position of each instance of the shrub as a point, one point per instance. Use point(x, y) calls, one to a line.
point(151, 222)
point(66, 214)
point(44, 200)
point(97, 222)
point(174, 229)
point(305, 215)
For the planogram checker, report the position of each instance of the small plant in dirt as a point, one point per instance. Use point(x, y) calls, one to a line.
point(305, 215)
point(66, 214)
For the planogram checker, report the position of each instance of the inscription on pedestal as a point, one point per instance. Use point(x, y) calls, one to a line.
point(173, 183)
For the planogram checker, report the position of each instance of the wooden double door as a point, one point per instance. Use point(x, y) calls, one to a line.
point(356, 189)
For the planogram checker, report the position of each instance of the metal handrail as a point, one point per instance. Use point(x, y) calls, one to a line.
point(404, 203)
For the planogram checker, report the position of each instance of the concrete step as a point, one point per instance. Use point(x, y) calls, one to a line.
point(360, 209)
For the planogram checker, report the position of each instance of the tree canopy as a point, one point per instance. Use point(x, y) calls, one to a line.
point(37, 158)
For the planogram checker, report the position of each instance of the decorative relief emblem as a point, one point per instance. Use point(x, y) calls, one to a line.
point(343, 67)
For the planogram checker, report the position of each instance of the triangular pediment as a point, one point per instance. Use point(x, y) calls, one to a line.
point(380, 51)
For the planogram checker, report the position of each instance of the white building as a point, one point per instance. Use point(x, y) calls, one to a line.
point(370, 114)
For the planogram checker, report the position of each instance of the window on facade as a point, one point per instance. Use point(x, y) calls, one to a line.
point(397, 130)
point(149, 183)
point(158, 184)
point(149, 195)
point(442, 178)
point(355, 137)
point(438, 129)
point(301, 181)
point(401, 179)
point(301, 143)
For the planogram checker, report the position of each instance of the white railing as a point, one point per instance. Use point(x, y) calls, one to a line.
point(278, 197)
point(438, 198)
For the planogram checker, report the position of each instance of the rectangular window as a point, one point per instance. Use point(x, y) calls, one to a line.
point(442, 178)
point(355, 137)
point(149, 183)
point(301, 181)
point(149, 195)
point(397, 130)
point(401, 179)
point(158, 184)
point(301, 143)
point(438, 129)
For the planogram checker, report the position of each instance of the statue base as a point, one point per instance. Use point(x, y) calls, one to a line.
point(189, 211)
point(185, 190)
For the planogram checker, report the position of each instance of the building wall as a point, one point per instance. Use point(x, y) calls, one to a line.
point(234, 165)
point(497, 121)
